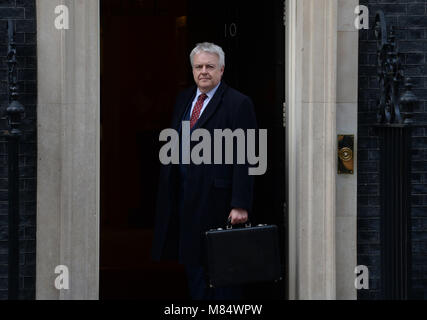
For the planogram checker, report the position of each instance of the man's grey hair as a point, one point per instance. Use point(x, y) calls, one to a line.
point(210, 48)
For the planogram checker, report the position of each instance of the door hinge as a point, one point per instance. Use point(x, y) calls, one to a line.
point(284, 13)
point(285, 209)
point(284, 114)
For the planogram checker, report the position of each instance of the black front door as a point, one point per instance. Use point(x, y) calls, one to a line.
point(144, 63)
point(252, 35)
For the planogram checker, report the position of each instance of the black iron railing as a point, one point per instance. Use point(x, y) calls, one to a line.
point(394, 126)
point(13, 135)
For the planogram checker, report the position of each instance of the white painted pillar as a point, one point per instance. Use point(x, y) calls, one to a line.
point(68, 149)
point(311, 147)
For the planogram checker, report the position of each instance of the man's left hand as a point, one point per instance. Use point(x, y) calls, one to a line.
point(238, 215)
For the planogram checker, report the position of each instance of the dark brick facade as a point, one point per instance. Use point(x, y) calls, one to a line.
point(23, 14)
point(410, 17)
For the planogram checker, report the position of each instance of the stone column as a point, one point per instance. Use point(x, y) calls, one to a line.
point(68, 149)
point(311, 146)
point(346, 185)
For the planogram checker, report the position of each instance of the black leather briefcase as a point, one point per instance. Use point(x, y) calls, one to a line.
point(242, 255)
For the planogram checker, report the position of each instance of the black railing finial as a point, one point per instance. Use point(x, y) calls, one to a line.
point(15, 109)
point(390, 77)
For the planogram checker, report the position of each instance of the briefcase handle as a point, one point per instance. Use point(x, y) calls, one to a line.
point(230, 226)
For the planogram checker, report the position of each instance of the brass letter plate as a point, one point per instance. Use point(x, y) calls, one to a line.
point(345, 154)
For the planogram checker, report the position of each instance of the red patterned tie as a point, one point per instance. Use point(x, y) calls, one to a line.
point(197, 108)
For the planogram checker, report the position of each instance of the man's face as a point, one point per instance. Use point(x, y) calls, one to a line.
point(206, 71)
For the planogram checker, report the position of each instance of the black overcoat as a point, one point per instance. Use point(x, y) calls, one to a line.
point(212, 189)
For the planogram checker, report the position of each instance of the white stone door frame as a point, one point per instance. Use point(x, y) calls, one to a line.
point(68, 117)
point(321, 91)
point(68, 130)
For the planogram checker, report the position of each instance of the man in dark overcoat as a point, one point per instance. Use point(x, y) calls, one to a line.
point(193, 198)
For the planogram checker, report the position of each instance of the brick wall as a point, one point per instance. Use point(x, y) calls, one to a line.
point(23, 13)
point(410, 17)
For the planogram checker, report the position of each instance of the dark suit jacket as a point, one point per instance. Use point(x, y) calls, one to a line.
point(212, 189)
